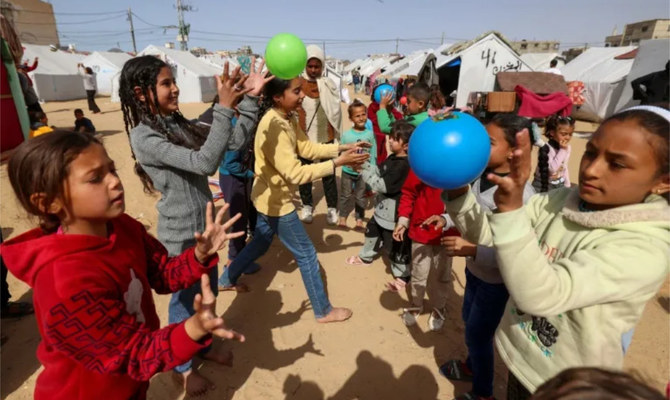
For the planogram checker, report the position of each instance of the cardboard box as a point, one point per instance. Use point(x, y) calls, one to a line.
point(501, 101)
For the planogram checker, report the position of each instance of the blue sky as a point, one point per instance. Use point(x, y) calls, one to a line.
point(350, 28)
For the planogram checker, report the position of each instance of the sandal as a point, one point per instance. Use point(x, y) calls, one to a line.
point(239, 288)
point(456, 370)
point(16, 309)
point(436, 320)
point(396, 285)
point(355, 260)
point(409, 315)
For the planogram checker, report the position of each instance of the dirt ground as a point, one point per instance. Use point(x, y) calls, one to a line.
point(288, 355)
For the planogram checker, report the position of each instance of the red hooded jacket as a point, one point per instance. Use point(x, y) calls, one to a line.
point(417, 203)
point(95, 311)
point(380, 136)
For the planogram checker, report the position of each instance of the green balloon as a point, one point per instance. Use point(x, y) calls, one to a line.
point(285, 56)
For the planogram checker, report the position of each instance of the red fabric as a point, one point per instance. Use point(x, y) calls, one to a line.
point(380, 137)
point(90, 296)
point(10, 126)
point(536, 106)
point(418, 202)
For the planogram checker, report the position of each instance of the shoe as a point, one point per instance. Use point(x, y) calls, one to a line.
point(409, 315)
point(306, 214)
point(436, 320)
point(331, 216)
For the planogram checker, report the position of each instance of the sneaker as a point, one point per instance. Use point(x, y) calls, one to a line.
point(409, 315)
point(436, 320)
point(331, 216)
point(306, 214)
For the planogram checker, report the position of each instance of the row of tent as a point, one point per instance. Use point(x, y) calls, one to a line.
point(467, 67)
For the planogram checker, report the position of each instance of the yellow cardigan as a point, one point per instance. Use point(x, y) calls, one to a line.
point(279, 142)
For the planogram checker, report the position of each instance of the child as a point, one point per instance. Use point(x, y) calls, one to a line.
point(485, 293)
point(39, 124)
point(552, 160)
point(90, 85)
point(417, 104)
point(438, 104)
point(92, 269)
point(175, 157)
point(387, 180)
point(278, 144)
point(418, 203)
point(81, 123)
point(380, 137)
point(351, 181)
point(566, 256)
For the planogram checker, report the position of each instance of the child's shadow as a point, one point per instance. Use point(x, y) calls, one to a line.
point(297, 389)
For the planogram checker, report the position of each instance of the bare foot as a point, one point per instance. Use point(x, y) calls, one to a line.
point(337, 314)
point(223, 357)
point(359, 225)
point(194, 384)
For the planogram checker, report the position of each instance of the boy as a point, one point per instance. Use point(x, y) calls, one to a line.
point(387, 180)
point(39, 124)
point(351, 180)
point(417, 107)
point(81, 123)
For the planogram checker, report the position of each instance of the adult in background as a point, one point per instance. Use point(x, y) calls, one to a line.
point(320, 118)
point(553, 69)
point(356, 77)
point(90, 85)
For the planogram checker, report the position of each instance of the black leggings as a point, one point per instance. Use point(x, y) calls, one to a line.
point(90, 95)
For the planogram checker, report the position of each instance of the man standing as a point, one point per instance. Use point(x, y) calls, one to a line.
point(321, 119)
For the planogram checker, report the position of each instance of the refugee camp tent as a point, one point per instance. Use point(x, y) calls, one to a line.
point(56, 77)
point(107, 66)
point(539, 62)
point(194, 77)
point(472, 66)
point(410, 65)
point(604, 77)
point(652, 55)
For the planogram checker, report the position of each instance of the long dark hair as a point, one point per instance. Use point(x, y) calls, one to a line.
point(552, 124)
point(142, 72)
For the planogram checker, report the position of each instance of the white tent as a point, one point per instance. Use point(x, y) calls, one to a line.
point(56, 77)
point(107, 66)
point(472, 66)
point(540, 61)
point(603, 75)
point(652, 55)
point(194, 77)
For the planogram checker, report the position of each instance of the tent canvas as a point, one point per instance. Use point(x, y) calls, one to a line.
point(194, 77)
point(539, 62)
point(603, 75)
point(472, 66)
point(107, 66)
point(651, 57)
point(56, 77)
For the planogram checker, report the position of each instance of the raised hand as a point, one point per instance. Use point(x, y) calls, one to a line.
point(257, 79)
point(205, 320)
point(386, 101)
point(230, 87)
point(215, 234)
point(509, 195)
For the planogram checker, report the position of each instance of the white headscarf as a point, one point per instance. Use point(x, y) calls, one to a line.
point(329, 93)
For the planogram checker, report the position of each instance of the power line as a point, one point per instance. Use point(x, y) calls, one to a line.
point(67, 23)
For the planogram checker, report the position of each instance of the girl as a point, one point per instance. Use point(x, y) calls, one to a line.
point(278, 143)
point(175, 158)
point(437, 103)
point(552, 160)
point(90, 85)
point(380, 136)
point(92, 269)
point(485, 293)
point(567, 256)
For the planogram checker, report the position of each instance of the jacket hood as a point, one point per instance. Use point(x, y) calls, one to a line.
point(27, 254)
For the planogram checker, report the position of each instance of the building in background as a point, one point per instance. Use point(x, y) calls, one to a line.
point(33, 20)
point(536, 46)
point(633, 33)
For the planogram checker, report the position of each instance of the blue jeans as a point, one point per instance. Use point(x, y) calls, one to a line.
point(483, 307)
point(292, 234)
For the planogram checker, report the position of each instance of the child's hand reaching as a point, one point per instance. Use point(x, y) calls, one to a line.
point(361, 146)
point(386, 101)
point(231, 87)
point(457, 246)
point(509, 195)
point(257, 79)
point(399, 233)
point(205, 320)
point(437, 221)
point(351, 158)
point(215, 235)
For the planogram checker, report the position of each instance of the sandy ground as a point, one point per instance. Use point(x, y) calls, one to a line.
point(287, 354)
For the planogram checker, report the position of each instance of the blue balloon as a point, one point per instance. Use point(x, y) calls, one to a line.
point(382, 90)
point(449, 151)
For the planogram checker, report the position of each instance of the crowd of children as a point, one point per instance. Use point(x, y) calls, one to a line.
point(548, 275)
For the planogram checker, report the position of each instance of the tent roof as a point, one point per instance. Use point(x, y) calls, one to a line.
point(116, 59)
point(599, 64)
point(52, 62)
point(538, 61)
point(456, 50)
point(183, 58)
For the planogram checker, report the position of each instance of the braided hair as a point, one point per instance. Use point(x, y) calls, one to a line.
point(143, 72)
point(551, 126)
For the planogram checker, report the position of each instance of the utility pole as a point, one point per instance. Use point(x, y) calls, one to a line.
point(132, 30)
point(182, 36)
